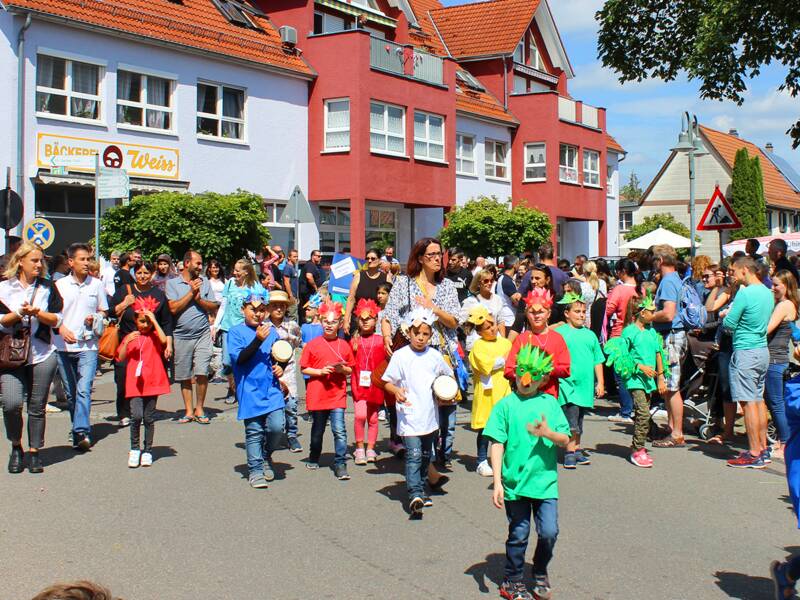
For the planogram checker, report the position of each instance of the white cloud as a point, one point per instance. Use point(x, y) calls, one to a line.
point(594, 76)
point(576, 15)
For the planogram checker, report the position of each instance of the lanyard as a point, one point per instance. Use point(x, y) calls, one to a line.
point(333, 349)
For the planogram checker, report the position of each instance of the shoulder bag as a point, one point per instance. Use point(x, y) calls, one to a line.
point(15, 346)
point(109, 341)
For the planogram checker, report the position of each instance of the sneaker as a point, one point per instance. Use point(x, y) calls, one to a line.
point(582, 459)
point(312, 466)
point(541, 588)
point(134, 457)
point(415, 506)
point(570, 461)
point(269, 472)
point(427, 502)
point(341, 472)
point(381, 415)
point(766, 455)
point(618, 418)
point(81, 441)
point(124, 422)
point(484, 470)
point(745, 460)
point(52, 408)
point(784, 588)
point(257, 481)
point(360, 456)
point(514, 590)
point(147, 459)
point(372, 456)
point(294, 445)
point(641, 458)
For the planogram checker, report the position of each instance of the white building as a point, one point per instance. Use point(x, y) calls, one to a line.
point(616, 154)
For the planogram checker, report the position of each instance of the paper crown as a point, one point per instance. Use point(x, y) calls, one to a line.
point(570, 297)
point(144, 304)
point(330, 310)
point(315, 301)
point(533, 364)
point(367, 307)
point(418, 316)
point(647, 302)
point(255, 300)
point(478, 315)
point(539, 297)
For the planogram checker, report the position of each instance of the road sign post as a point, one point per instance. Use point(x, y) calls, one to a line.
point(297, 211)
point(11, 208)
point(718, 216)
point(110, 182)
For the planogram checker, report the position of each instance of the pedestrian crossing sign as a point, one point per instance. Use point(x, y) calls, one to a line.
point(718, 214)
point(41, 232)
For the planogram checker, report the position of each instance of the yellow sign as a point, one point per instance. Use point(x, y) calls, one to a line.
point(78, 154)
point(40, 231)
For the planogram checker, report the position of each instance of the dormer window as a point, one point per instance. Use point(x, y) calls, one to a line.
point(534, 58)
point(519, 53)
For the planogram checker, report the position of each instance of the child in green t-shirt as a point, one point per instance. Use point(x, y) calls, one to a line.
point(639, 357)
point(526, 427)
point(577, 392)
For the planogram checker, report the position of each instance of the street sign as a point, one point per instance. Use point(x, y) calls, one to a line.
point(39, 231)
point(297, 210)
point(11, 205)
point(112, 157)
point(79, 161)
point(111, 183)
point(718, 214)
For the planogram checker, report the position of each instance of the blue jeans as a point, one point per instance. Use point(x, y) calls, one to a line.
point(262, 434)
point(773, 392)
point(227, 368)
point(319, 421)
point(625, 398)
point(545, 515)
point(483, 446)
point(447, 430)
point(77, 371)
point(419, 449)
point(291, 417)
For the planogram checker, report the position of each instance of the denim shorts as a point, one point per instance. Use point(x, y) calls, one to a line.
point(676, 344)
point(574, 414)
point(748, 371)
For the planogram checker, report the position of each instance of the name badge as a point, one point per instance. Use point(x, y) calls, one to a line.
point(365, 379)
point(139, 369)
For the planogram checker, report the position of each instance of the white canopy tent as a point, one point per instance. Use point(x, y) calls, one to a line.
point(792, 241)
point(655, 238)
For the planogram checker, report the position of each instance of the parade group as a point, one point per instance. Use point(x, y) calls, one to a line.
point(526, 342)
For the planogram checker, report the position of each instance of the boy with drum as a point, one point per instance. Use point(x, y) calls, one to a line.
point(410, 377)
point(526, 426)
point(258, 388)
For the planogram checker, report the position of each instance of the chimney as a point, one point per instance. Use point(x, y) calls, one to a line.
point(769, 147)
point(733, 132)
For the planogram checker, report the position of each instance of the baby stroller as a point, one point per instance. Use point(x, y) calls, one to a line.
point(699, 381)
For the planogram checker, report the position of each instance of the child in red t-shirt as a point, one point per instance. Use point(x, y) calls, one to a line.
point(145, 377)
point(367, 397)
point(328, 360)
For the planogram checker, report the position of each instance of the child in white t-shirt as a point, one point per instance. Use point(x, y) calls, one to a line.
point(409, 376)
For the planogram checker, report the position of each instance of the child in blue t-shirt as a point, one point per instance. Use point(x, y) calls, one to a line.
point(312, 328)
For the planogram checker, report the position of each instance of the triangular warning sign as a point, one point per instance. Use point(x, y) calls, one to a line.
point(718, 214)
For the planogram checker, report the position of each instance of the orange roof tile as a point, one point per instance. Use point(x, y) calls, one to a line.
point(428, 37)
point(612, 144)
point(482, 104)
point(777, 190)
point(193, 23)
point(484, 28)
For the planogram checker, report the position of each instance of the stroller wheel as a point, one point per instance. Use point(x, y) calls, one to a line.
point(705, 432)
point(772, 433)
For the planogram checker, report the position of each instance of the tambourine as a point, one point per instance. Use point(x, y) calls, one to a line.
point(445, 389)
point(282, 351)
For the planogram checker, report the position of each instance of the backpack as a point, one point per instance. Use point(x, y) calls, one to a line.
point(691, 310)
point(597, 314)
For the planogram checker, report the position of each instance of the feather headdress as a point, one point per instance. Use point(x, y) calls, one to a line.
point(647, 303)
point(367, 307)
point(330, 311)
point(533, 364)
point(570, 297)
point(420, 315)
point(144, 304)
point(315, 301)
point(540, 297)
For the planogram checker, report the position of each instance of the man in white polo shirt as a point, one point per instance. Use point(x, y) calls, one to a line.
point(85, 304)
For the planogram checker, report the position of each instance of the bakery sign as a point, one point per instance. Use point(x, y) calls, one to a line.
point(78, 154)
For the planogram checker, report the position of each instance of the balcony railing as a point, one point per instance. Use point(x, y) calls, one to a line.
point(405, 60)
point(567, 111)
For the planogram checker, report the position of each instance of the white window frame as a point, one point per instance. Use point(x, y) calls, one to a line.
point(587, 172)
point(385, 131)
point(145, 73)
point(67, 92)
point(519, 52)
point(219, 116)
point(327, 129)
point(567, 168)
point(535, 164)
point(492, 163)
point(622, 220)
point(427, 139)
point(461, 157)
point(533, 53)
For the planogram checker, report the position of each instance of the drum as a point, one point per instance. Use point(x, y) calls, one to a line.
point(282, 351)
point(445, 389)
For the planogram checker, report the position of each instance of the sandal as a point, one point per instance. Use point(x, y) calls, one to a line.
point(202, 419)
point(436, 485)
point(718, 440)
point(670, 442)
point(185, 419)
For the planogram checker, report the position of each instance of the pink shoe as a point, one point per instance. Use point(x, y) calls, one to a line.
point(360, 456)
point(371, 456)
point(640, 458)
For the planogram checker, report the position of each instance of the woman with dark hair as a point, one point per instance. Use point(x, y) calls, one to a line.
point(539, 277)
point(216, 277)
point(365, 284)
point(425, 285)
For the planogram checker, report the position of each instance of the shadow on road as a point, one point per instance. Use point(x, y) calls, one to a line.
point(491, 569)
point(744, 587)
point(617, 450)
point(160, 452)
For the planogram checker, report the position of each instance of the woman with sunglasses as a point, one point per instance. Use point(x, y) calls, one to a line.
point(365, 285)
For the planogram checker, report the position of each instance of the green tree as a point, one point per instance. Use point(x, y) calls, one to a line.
point(653, 222)
point(747, 196)
point(631, 191)
point(223, 226)
point(721, 43)
point(488, 227)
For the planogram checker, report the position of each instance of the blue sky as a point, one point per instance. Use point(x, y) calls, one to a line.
point(645, 117)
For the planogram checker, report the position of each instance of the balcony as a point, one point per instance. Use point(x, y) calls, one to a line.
point(405, 61)
point(567, 111)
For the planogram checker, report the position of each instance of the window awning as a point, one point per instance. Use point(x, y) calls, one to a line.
point(137, 184)
point(357, 11)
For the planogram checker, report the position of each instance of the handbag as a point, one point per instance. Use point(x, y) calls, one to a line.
point(399, 339)
point(16, 345)
point(109, 341)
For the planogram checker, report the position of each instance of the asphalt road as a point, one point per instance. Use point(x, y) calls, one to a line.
point(190, 527)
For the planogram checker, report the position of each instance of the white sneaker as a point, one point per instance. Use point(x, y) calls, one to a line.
point(52, 408)
point(147, 459)
point(133, 458)
point(484, 470)
point(381, 415)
